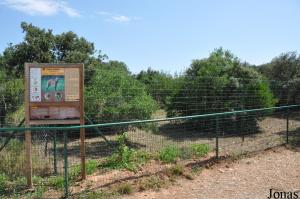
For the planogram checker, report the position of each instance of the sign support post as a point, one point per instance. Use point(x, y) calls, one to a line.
point(82, 130)
point(28, 147)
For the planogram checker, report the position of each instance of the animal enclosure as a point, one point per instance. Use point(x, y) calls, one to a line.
point(141, 130)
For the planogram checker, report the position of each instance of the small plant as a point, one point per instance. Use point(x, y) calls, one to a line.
point(97, 195)
point(56, 182)
point(3, 180)
point(124, 188)
point(169, 154)
point(91, 166)
point(186, 153)
point(176, 170)
point(125, 157)
point(200, 150)
point(152, 182)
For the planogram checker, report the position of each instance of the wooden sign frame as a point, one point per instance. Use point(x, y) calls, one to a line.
point(75, 104)
point(28, 104)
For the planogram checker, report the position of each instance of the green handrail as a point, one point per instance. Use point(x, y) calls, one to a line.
point(144, 121)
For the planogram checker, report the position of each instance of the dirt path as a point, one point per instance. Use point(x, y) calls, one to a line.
point(253, 177)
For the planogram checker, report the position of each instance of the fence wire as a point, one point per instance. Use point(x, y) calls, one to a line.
point(230, 134)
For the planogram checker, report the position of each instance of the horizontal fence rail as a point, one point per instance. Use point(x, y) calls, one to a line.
point(209, 115)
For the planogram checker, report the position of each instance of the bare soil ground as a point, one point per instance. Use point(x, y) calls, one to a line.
point(252, 177)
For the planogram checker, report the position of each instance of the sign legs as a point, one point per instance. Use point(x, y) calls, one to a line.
point(82, 153)
point(28, 159)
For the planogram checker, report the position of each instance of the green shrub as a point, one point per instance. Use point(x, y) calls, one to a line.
point(117, 96)
point(3, 180)
point(200, 150)
point(56, 182)
point(169, 154)
point(125, 157)
point(91, 166)
point(222, 83)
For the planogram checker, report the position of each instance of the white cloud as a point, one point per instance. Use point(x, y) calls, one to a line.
point(121, 18)
point(117, 17)
point(42, 7)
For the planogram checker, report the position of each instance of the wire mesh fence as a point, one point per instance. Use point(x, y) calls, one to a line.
point(248, 125)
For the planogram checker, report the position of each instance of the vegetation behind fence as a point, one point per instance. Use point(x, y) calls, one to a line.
point(219, 106)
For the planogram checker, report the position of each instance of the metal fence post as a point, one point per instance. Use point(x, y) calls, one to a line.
point(66, 165)
point(55, 154)
point(217, 137)
point(287, 126)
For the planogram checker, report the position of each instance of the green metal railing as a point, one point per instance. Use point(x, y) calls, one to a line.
point(209, 115)
point(215, 116)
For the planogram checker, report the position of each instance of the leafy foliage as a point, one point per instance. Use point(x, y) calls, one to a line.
point(200, 150)
point(114, 94)
point(221, 83)
point(125, 157)
point(160, 85)
point(284, 73)
point(43, 46)
point(169, 154)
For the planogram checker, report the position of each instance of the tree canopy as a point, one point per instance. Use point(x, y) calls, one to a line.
point(41, 45)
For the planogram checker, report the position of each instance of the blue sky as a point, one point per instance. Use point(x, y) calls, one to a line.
point(164, 34)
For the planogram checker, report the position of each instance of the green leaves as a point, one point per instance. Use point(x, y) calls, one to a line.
point(43, 46)
point(115, 95)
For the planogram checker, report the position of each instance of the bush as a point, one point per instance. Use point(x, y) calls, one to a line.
point(56, 182)
point(200, 150)
point(161, 86)
point(113, 95)
point(125, 157)
point(222, 83)
point(169, 154)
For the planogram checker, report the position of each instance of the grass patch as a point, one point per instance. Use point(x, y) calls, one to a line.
point(176, 170)
point(169, 154)
point(56, 182)
point(200, 150)
point(97, 195)
point(124, 189)
point(3, 180)
point(91, 167)
point(152, 182)
point(13, 160)
point(125, 157)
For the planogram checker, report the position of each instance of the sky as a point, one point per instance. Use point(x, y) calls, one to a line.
point(165, 35)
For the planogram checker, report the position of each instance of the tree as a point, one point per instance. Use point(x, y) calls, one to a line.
point(221, 83)
point(161, 86)
point(114, 95)
point(284, 73)
point(11, 96)
point(43, 46)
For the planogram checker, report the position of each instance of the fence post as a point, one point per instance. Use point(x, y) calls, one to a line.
point(287, 126)
point(66, 165)
point(217, 137)
point(55, 154)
